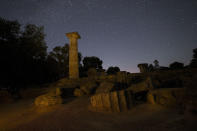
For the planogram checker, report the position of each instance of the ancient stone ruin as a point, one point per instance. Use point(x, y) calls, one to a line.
point(53, 97)
point(73, 55)
point(143, 67)
point(118, 92)
point(115, 101)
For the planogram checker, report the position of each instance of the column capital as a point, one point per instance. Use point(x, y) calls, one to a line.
point(72, 35)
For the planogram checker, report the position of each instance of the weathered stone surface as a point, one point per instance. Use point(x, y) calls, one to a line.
point(134, 78)
point(48, 100)
point(88, 87)
point(58, 92)
point(150, 98)
point(73, 55)
point(142, 86)
point(78, 92)
point(121, 77)
point(66, 83)
point(102, 76)
point(53, 97)
point(111, 78)
point(123, 101)
point(92, 73)
point(113, 101)
point(167, 97)
point(106, 101)
point(105, 87)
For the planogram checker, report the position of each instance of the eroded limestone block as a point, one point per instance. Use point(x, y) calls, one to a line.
point(150, 98)
point(78, 92)
point(48, 100)
point(88, 87)
point(116, 101)
point(167, 97)
point(146, 85)
point(53, 97)
point(121, 77)
point(106, 101)
point(123, 101)
point(105, 87)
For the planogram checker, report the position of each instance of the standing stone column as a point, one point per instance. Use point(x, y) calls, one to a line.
point(73, 55)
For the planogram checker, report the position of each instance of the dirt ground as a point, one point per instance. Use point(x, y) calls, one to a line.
point(75, 115)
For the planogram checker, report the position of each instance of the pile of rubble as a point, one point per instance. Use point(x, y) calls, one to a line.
point(49, 99)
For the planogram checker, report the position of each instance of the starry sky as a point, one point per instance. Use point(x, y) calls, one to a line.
point(122, 33)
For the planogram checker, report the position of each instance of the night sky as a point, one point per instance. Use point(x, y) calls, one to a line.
point(122, 33)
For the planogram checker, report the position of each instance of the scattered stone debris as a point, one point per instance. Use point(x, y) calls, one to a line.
point(119, 92)
point(78, 92)
point(146, 85)
point(169, 97)
point(105, 87)
point(49, 99)
point(88, 87)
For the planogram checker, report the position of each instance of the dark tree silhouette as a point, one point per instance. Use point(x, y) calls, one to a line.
point(193, 62)
point(24, 59)
point(113, 70)
point(176, 65)
point(9, 45)
point(22, 54)
point(156, 64)
point(150, 68)
point(61, 57)
point(92, 62)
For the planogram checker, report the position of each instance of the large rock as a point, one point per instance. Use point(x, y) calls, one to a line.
point(88, 87)
point(169, 97)
point(134, 78)
point(111, 78)
point(79, 92)
point(105, 87)
point(53, 97)
point(102, 76)
point(122, 77)
point(92, 73)
point(142, 86)
point(48, 100)
point(67, 83)
point(113, 101)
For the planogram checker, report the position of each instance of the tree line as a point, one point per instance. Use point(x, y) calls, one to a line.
point(145, 67)
point(24, 59)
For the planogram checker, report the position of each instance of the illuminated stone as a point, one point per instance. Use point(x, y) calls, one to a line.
point(116, 101)
point(73, 55)
point(52, 98)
